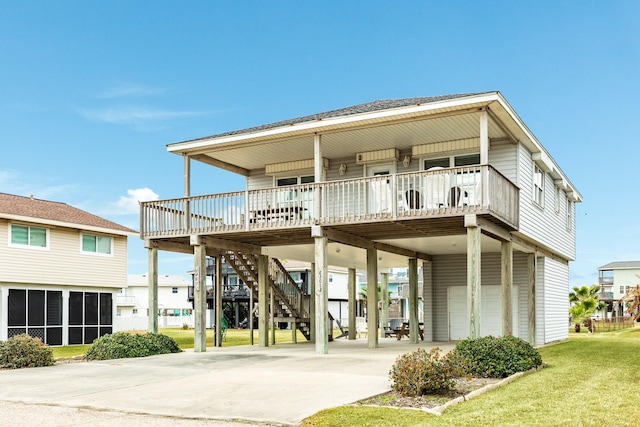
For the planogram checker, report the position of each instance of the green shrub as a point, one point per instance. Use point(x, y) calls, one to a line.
point(418, 373)
point(24, 351)
point(123, 345)
point(491, 357)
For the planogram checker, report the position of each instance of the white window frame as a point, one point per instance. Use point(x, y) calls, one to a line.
point(174, 289)
point(570, 207)
point(28, 245)
point(538, 188)
point(451, 158)
point(96, 252)
point(557, 200)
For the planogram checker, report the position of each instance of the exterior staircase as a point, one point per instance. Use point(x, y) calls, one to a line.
point(290, 303)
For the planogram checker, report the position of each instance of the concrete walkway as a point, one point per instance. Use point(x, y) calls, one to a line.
point(278, 385)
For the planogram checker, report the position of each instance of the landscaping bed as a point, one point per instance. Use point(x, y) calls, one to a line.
point(394, 399)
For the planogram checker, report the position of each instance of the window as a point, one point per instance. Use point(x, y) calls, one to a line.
point(37, 313)
point(135, 311)
point(557, 200)
point(35, 237)
point(97, 244)
point(538, 185)
point(90, 316)
point(174, 290)
point(295, 180)
point(452, 161)
point(570, 207)
point(622, 289)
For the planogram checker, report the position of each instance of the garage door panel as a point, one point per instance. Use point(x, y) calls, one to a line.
point(490, 311)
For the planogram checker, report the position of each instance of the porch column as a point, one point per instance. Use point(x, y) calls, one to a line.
point(263, 301)
point(474, 269)
point(272, 318)
point(484, 137)
point(413, 301)
point(321, 291)
point(531, 292)
point(384, 296)
point(218, 302)
point(372, 298)
point(187, 192)
point(200, 298)
point(352, 303)
point(152, 279)
point(312, 302)
point(507, 286)
point(427, 300)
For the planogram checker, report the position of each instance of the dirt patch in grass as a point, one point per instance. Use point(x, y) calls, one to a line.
point(393, 398)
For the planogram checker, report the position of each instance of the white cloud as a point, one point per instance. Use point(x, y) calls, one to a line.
point(136, 116)
point(128, 90)
point(13, 182)
point(129, 204)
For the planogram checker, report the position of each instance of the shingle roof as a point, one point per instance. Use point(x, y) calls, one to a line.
point(379, 105)
point(620, 265)
point(54, 211)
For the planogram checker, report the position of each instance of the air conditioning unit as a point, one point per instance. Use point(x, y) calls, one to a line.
point(377, 156)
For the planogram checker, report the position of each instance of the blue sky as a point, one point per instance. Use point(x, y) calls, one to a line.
point(91, 92)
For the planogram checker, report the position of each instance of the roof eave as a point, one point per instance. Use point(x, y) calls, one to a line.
point(317, 126)
point(55, 223)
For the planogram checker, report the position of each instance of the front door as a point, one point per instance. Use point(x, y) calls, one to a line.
point(380, 189)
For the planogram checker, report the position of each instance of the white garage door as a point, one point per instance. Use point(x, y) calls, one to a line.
point(490, 311)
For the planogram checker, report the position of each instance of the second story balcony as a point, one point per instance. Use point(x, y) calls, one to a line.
point(445, 193)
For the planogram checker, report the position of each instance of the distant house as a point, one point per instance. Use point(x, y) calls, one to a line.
point(174, 308)
point(615, 280)
point(60, 271)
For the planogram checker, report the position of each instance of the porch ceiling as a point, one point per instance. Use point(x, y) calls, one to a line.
point(341, 144)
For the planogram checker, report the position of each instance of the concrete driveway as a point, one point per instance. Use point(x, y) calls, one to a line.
point(278, 385)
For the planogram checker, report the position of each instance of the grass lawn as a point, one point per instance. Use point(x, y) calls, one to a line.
point(184, 338)
point(591, 380)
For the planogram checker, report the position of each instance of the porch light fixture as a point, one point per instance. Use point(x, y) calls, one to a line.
point(406, 161)
point(342, 169)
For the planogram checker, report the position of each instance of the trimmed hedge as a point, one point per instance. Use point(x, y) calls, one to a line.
point(491, 357)
point(25, 351)
point(418, 373)
point(122, 345)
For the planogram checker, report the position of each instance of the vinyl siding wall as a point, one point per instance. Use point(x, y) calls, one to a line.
point(554, 302)
point(624, 278)
point(62, 263)
point(451, 270)
point(503, 156)
point(544, 224)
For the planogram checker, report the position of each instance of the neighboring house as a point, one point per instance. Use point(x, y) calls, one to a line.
point(458, 183)
point(174, 308)
point(615, 280)
point(337, 292)
point(60, 270)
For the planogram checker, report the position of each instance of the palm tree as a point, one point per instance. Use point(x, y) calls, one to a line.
point(363, 294)
point(584, 302)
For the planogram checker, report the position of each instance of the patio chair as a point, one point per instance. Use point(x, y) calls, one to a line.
point(412, 198)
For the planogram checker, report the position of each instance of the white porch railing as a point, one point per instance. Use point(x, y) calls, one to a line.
point(432, 193)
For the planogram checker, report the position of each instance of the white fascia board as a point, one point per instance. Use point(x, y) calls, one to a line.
point(538, 146)
point(79, 227)
point(318, 125)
